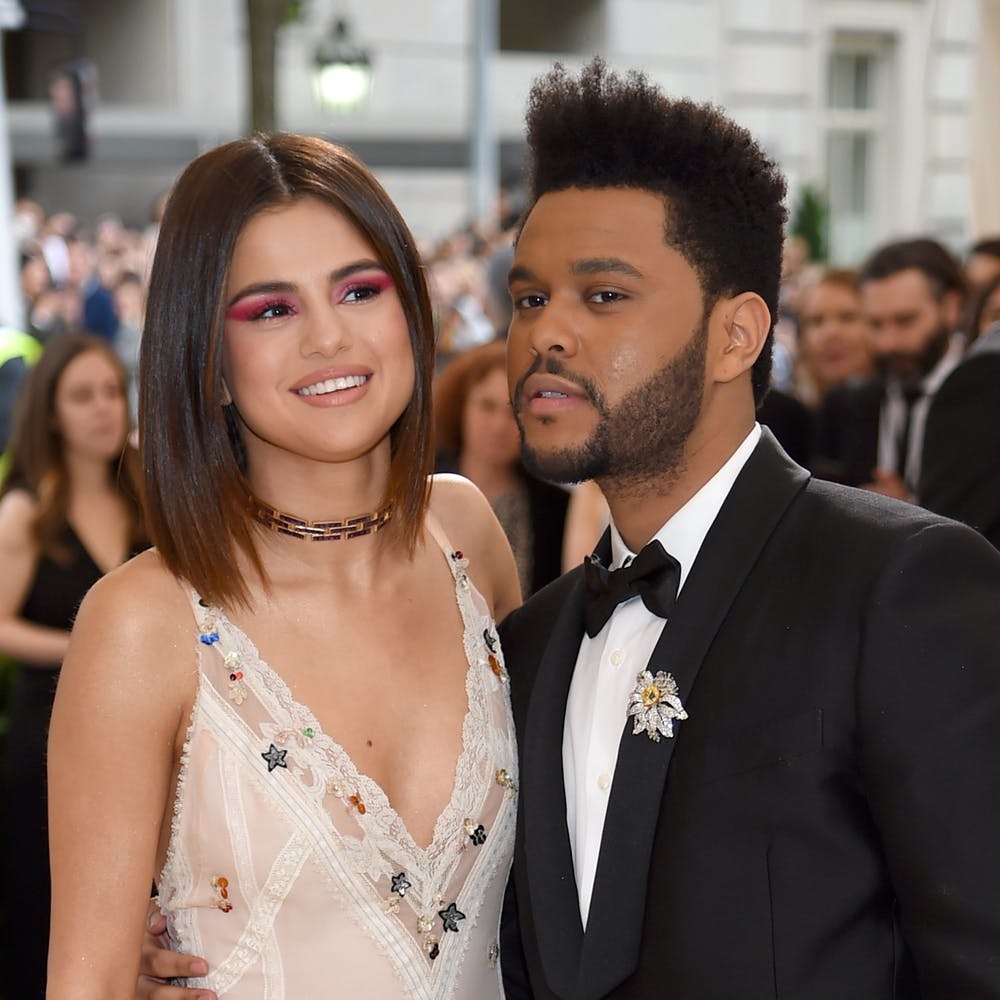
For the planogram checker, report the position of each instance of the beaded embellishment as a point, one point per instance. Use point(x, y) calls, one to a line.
point(476, 832)
point(275, 758)
point(221, 886)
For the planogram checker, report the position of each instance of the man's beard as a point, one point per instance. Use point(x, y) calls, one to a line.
point(915, 367)
point(638, 445)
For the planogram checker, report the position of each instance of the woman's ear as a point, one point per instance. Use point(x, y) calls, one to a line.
point(746, 323)
point(227, 399)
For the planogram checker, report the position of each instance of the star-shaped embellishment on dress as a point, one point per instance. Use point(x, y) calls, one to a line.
point(450, 917)
point(654, 704)
point(400, 883)
point(275, 758)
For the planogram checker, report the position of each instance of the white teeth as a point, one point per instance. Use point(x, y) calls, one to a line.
point(333, 385)
point(549, 394)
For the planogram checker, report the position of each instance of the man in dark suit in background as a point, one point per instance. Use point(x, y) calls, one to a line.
point(960, 468)
point(760, 733)
point(870, 432)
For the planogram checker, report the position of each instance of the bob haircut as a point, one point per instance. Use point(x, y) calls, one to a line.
point(723, 196)
point(192, 451)
point(37, 459)
point(452, 388)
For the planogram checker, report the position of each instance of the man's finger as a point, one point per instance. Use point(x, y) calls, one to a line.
point(151, 989)
point(161, 963)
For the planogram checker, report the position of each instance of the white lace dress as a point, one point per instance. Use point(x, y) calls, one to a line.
point(290, 871)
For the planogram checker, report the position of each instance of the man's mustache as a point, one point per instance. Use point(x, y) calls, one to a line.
point(553, 366)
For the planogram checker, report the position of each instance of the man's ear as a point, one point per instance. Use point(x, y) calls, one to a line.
point(745, 323)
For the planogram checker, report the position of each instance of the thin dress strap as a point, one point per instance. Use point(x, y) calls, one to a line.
point(437, 532)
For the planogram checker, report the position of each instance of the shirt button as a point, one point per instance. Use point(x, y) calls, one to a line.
point(603, 781)
point(617, 657)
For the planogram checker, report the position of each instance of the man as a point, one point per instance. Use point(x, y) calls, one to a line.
point(787, 785)
point(790, 789)
point(982, 264)
point(870, 433)
point(960, 473)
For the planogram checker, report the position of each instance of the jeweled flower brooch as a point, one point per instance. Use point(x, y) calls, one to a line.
point(654, 705)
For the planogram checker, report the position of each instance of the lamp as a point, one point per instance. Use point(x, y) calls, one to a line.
point(343, 70)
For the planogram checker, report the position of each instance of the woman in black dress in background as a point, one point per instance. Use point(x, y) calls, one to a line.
point(69, 512)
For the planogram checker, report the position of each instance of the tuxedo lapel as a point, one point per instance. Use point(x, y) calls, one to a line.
point(548, 856)
point(765, 487)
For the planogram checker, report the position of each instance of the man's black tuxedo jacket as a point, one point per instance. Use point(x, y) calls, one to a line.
point(826, 823)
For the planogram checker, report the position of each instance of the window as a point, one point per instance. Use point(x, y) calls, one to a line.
point(569, 26)
point(855, 156)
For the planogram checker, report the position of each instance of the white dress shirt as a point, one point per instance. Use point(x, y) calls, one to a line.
point(893, 416)
point(606, 669)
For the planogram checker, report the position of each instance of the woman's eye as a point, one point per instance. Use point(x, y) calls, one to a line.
point(253, 310)
point(360, 293)
point(274, 310)
point(362, 288)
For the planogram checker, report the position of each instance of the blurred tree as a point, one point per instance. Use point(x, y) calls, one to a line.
point(810, 220)
point(264, 18)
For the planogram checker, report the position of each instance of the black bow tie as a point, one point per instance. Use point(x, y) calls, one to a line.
point(653, 575)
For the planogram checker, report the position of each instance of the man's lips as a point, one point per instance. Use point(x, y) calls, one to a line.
point(544, 393)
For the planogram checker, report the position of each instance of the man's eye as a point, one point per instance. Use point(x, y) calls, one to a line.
point(606, 295)
point(529, 301)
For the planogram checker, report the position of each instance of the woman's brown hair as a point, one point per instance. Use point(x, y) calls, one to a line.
point(196, 484)
point(451, 390)
point(37, 460)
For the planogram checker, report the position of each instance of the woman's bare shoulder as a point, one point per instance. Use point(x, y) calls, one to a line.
point(471, 526)
point(139, 598)
point(462, 509)
point(17, 511)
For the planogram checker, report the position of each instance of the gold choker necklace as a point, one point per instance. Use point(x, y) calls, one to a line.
point(318, 531)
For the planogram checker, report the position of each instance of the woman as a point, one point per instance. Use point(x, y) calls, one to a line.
point(477, 437)
point(834, 344)
point(293, 713)
point(69, 513)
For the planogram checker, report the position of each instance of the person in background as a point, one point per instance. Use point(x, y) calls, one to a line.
point(870, 432)
point(586, 520)
point(294, 712)
point(960, 472)
point(69, 513)
point(477, 437)
point(130, 306)
point(18, 351)
point(92, 277)
point(834, 344)
point(982, 262)
point(983, 311)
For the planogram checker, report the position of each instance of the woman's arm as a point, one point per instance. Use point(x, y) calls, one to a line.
point(123, 698)
point(19, 639)
point(586, 518)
